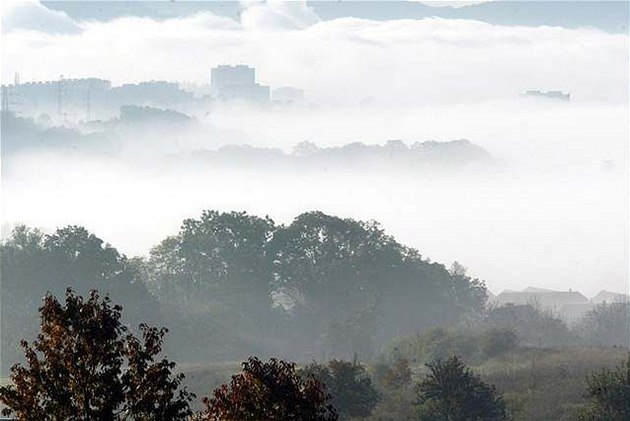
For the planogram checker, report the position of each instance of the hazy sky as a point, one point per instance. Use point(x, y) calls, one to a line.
point(552, 218)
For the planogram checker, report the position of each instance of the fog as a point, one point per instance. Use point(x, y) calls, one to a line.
point(547, 213)
point(552, 211)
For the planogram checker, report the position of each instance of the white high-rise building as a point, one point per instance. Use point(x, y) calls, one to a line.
point(237, 83)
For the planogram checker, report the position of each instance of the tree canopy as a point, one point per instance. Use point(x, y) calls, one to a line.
point(321, 284)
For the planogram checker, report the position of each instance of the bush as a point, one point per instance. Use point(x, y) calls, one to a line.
point(609, 394)
point(498, 341)
point(451, 392)
point(439, 343)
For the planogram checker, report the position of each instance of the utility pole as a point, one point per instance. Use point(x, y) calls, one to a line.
point(5, 99)
point(88, 109)
point(59, 96)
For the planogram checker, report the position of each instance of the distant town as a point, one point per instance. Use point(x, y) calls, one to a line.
point(86, 99)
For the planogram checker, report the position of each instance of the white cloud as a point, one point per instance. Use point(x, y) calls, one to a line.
point(278, 15)
point(344, 60)
point(32, 16)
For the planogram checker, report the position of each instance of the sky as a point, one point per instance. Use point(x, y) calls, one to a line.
point(553, 219)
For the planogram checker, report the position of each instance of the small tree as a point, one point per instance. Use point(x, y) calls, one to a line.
point(271, 391)
point(609, 395)
point(349, 385)
point(84, 365)
point(451, 392)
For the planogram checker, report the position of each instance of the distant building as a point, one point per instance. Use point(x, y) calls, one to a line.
point(547, 299)
point(574, 313)
point(571, 306)
point(61, 98)
point(237, 83)
point(549, 94)
point(88, 98)
point(607, 297)
point(153, 93)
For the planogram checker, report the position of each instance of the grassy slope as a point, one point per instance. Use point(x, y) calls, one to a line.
point(547, 384)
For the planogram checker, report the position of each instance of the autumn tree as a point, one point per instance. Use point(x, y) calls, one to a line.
point(452, 392)
point(269, 391)
point(86, 365)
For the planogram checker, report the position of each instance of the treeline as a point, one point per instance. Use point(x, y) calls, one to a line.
point(320, 287)
point(394, 155)
point(230, 285)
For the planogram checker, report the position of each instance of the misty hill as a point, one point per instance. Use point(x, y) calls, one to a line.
point(138, 115)
point(611, 16)
point(20, 133)
point(394, 154)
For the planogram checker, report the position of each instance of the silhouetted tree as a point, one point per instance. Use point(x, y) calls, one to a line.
point(349, 385)
point(451, 392)
point(609, 395)
point(271, 391)
point(84, 365)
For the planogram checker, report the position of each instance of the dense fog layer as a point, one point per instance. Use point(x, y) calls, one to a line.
point(551, 210)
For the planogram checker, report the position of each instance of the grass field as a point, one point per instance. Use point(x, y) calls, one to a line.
point(537, 384)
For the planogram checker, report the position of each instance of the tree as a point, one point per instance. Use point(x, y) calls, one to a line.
point(608, 324)
point(85, 365)
point(34, 264)
point(271, 391)
point(609, 395)
point(532, 325)
point(349, 385)
point(333, 271)
point(451, 392)
point(217, 262)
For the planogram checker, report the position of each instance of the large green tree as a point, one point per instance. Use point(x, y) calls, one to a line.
point(86, 365)
point(216, 263)
point(333, 272)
